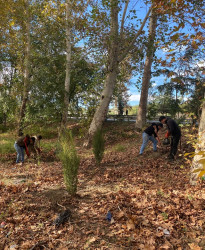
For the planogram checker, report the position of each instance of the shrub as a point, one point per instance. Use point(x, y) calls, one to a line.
point(98, 145)
point(70, 162)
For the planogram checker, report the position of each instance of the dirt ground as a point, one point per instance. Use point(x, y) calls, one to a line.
point(150, 202)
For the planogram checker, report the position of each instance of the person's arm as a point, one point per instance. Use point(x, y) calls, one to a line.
point(155, 129)
point(26, 148)
point(156, 134)
point(158, 140)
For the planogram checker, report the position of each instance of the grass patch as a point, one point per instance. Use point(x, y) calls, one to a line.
point(48, 146)
point(7, 143)
point(120, 148)
point(47, 131)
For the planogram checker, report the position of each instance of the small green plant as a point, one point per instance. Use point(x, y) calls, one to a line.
point(160, 193)
point(120, 148)
point(70, 162)
point(98, 145)
point(165, 216)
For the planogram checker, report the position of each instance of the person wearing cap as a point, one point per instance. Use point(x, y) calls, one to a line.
point(151, 134)
point(20, 145)
point(174, 131)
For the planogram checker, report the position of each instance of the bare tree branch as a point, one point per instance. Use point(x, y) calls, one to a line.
point(123, 19)
point(136, 36)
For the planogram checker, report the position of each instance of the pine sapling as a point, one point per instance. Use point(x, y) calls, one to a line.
point(70, 162)
point(98, 145)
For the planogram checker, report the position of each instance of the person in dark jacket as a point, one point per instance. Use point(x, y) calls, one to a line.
point(20, 145)
point(148, 136)
point(174, 131)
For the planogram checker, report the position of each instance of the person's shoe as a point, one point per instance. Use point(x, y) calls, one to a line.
point(170, 157)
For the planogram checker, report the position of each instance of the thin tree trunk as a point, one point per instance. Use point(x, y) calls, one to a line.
point(200, 147)
point(142, 111)
point(26, 71)
point(68, 65)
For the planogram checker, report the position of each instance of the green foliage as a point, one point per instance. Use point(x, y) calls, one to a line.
point(70, 162)
point(98, 145)
point(47, 146)
point(7, 146)
point(120, 105)
point(181, 120)
point(152, 110)
point(7, 143)
point(120, 148)
point(133, 110)
point(48, 131)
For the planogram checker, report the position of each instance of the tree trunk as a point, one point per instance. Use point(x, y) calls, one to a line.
point(68, 65)
point(142, 111)
point(26, 70)
point(111, 77)
point(200, 147)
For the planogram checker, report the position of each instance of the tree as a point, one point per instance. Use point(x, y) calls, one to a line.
point(115, 56)
point(26, 76)
point(199, 158)
point(142, 111)
point(68, 27)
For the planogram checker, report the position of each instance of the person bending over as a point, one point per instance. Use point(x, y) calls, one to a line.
point(148, 136)
point(34, 146)
point(20, 145)
point(174, 131)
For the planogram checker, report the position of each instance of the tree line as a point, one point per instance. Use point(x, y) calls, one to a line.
point(59, 57)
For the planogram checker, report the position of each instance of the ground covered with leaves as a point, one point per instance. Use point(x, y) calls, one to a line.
point(126, 202)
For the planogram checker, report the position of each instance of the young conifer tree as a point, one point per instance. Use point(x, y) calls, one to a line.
point(70, 162)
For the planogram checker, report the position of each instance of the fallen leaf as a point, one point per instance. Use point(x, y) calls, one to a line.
point(194, 246)
point(130, 224)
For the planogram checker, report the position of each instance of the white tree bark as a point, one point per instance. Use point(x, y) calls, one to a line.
point(142, 111)
point(68, 27)
point(26, 68)
point(200, 147)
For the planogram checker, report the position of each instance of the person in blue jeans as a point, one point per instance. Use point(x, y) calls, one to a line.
point(20, 145)
point(151, 134)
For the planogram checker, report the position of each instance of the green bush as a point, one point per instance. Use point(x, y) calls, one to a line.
point(70, 162)
point(98, 145)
